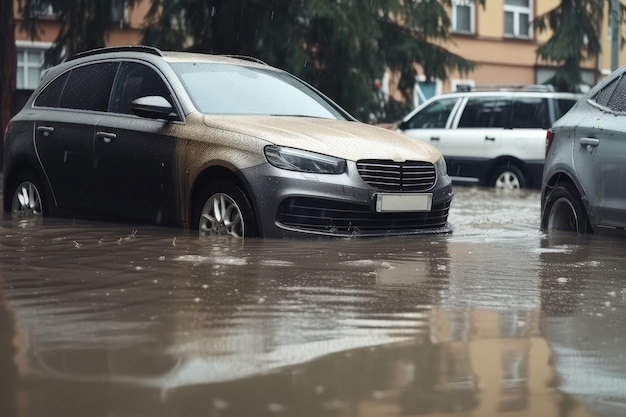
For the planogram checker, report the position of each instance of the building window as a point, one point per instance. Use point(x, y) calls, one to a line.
point(29, 67)
point(424, 89)
point(517, 17)
point(463, 16)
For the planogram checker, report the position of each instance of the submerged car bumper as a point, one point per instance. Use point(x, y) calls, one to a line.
point(296, 204)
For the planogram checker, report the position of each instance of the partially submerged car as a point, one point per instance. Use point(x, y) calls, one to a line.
point(585, 170)
point(221, 144)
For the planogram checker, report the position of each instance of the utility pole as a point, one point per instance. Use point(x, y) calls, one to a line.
point(614, 19)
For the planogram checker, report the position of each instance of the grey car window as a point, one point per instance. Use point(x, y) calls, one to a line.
point(89, 87)
point(433, 116)
point(235, 89)
point(485, 112)
point(604, 95)
point(50, 95)
point(133, 81)
point(530, 113)
point(617, 102)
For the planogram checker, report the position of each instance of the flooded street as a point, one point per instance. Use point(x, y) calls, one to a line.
point(496, 319)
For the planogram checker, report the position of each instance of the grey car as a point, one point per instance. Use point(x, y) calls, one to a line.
point(584, 178)
point(219, 144)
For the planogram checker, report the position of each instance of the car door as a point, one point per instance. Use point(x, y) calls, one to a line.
point(431, 123)
point(69, 109)
point(479, 130)
point(600, 154)
point(134, 157)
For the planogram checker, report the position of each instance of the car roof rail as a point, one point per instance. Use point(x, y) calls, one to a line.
point(247, 58)
point(514, 87)
point(129, 48)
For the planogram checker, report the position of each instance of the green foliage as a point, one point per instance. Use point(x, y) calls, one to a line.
point(85, 24)
point(575, 27)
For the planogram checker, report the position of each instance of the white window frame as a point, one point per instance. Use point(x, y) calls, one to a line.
point(418, 97)
point(24, 66)
point(517, 11)
point(466, 3)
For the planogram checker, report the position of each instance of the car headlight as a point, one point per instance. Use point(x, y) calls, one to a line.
point(441, 166)
point(298, 160)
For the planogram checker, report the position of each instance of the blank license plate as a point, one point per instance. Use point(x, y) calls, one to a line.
point(403, 202)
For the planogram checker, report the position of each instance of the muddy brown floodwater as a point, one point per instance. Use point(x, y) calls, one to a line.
point(496, 319)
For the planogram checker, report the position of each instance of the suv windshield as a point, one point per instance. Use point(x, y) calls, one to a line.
point(238, 90)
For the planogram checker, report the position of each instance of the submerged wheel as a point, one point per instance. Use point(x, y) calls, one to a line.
point(224, 209)
point(508, 177)
point(28, 198)
point(564, 211)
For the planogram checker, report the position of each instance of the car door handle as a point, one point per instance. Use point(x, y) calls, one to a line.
point(589, 141)
point(434, 138)
point(491, 138)
point(106, 137)
point(45, 130)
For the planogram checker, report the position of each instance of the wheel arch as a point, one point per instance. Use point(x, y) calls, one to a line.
point(15, 170)
point(216, 173)
point(561, 177)
point(504, 160)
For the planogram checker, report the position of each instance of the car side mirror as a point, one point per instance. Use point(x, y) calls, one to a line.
point(153, 107)
point(403, 125)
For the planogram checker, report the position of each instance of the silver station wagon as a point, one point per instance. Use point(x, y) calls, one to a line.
point(224, 145)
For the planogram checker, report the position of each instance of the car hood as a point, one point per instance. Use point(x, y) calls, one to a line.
point(342, 139)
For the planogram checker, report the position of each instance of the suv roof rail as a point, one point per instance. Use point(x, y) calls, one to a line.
point(246, 58)
point(513, 87)
point(130, 48)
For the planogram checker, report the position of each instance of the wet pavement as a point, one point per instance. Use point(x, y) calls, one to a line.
point(496, 319)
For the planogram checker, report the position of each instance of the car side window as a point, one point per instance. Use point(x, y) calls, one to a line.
point(530, 113)
point(136, 80)
point(50, 95)
point(89, 87)
point(482, 112)
point(433, 116)
point(617, 102)
point(604, 95)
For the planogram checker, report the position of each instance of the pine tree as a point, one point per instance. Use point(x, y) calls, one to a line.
point(575, 26)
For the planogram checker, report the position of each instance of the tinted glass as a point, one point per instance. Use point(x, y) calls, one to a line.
point(433, 116)
point(603, 96)
point(89, 87)
point(529, 113)
point(617, 102)
point(481, 112)
point(233, 89)
point(50, 95)
point(136, 80)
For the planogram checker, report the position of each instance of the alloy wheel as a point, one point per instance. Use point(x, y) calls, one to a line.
point(221, 216)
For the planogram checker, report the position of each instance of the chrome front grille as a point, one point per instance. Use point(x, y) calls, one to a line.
point(409, 176)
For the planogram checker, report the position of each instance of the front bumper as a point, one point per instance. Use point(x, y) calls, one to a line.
point(296, 204)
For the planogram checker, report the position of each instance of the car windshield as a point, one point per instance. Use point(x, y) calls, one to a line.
point(238, 90)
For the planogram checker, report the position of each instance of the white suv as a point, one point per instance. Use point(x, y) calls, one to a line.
point(491, 137)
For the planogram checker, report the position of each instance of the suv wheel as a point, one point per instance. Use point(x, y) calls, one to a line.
point(564, 211)
point(224, 209)
point(508, 177)
point(27, 199)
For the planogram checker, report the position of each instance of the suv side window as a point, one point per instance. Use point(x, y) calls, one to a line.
point(136, 80)
point(433, 116)
point(482, 112)
point(562, 106)
point(50, 95)
point(89, 87)
point(530, 113)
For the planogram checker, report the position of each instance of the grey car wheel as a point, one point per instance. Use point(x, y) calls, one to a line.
point(27, 201)
point(564, 211)
point(508, 177)
point(224, 210)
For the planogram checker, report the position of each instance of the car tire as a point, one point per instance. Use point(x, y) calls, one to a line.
point(28, 199)
point(223, 209)
point(508, 177)
point(564, 211)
